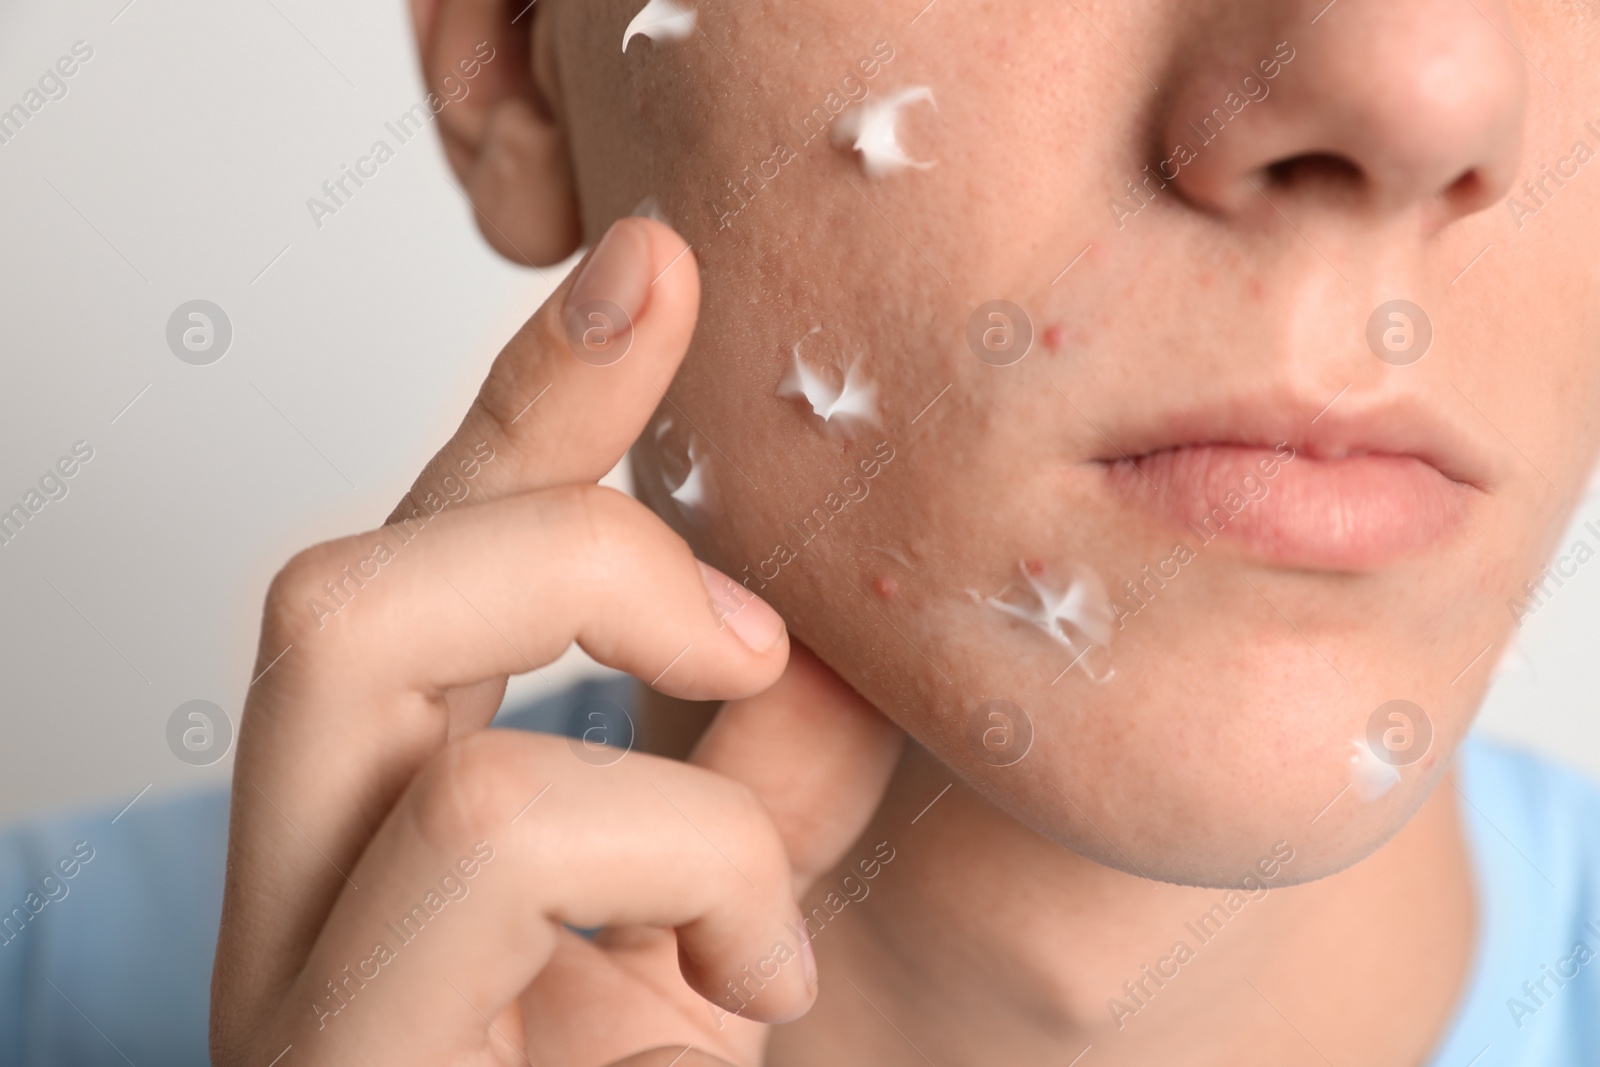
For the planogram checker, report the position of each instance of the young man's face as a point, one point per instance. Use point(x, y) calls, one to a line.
point(1201, 213)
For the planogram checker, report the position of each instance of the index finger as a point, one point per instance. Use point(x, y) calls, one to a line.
point(569, 394)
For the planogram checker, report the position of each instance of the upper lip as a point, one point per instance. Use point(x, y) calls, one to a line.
point(1355, 424)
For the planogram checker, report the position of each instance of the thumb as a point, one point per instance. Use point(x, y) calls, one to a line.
point(816, 753)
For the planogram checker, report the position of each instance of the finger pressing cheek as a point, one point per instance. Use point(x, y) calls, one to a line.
point(507, 587)
point(356, 699)
point(574, 388)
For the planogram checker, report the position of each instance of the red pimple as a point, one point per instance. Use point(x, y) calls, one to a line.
point(885, 586)
point(1052, 337)
point(1034, 567)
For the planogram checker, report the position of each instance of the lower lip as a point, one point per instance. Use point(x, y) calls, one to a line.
point(1351, 514)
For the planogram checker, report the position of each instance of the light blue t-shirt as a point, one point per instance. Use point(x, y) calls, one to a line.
point(109, 922)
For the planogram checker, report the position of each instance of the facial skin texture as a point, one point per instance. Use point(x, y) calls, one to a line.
point(1239, 689)
point(1375, 165)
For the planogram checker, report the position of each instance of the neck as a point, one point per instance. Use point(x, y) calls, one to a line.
point(981, 942)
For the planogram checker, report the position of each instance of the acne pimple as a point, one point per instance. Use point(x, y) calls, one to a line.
point(660, 20)
point(854, 400)
point(871, 130)
point(1052, 337)
point(885, 586)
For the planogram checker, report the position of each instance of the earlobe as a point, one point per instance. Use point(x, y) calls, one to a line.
point(502, 134)
point(521, 186)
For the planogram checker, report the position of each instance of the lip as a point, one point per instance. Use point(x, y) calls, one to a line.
point(1355, 489)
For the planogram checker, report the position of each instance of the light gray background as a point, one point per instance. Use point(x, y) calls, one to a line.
point(178, 167)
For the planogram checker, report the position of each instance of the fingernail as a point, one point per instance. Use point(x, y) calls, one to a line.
point(614, 282)
point(618, 270)
point(750, 618)
point(808, 960)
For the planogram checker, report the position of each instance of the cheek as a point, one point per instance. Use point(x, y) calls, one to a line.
point(1178, 709)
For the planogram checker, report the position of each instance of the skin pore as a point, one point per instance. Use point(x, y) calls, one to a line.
point(1229, 300)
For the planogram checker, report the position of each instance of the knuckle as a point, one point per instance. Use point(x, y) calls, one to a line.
point(754, 832)
point(324, 591)
point(548, 330)
point(611, 525)
point(494, 411)
point(288, 615)
point(602, 505)
point(447, 479)
point(512, 381)
point(757, 820)
point(472, 788)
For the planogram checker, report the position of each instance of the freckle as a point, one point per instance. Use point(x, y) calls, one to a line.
point(885, 586)
point(1033, 567)
point(1052, 337)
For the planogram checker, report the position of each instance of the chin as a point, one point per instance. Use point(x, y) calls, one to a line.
point(1202, 747)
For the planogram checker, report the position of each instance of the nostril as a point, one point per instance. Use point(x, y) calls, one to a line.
point(1322, 171)
point(1468, 193)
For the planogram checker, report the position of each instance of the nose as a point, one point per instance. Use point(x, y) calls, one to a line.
point(1375, 107)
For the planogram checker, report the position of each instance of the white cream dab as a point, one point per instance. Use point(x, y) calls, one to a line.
point(661, 20)
point(872, 130)
point(1078, 617)
point(854, 400)
point(650, 208)
point(1370, 776)
point(892, 553)
point(1514, 660)
point(692, 493)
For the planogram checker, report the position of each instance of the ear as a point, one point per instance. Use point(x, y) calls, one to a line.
point(489, 66)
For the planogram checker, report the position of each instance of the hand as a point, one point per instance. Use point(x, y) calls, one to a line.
point(401, 880)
